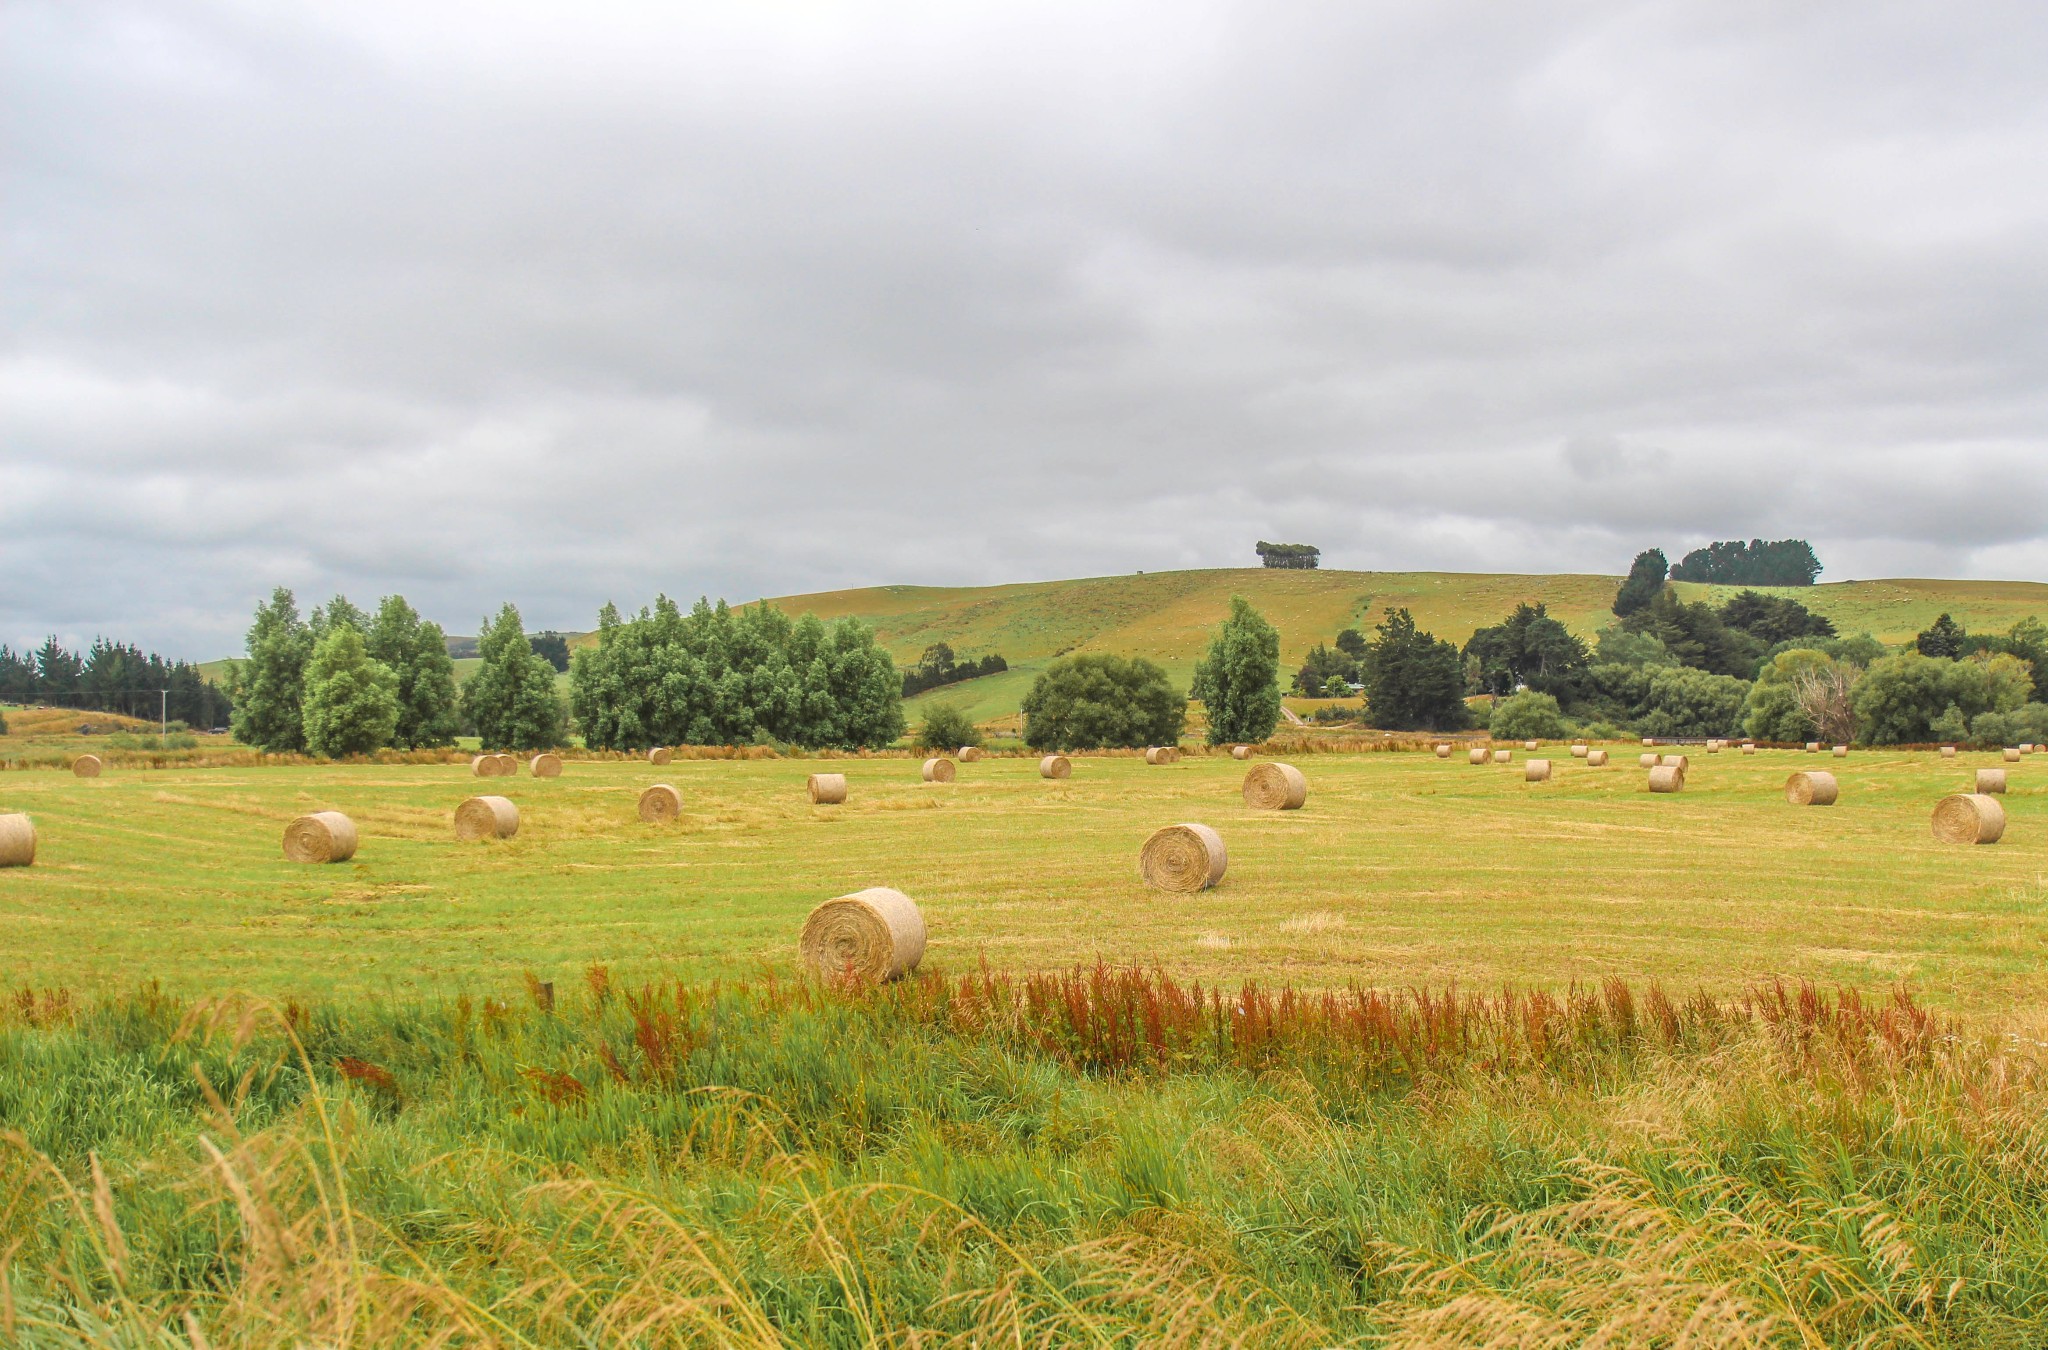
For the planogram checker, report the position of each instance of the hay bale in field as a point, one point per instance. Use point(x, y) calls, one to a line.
point(1536, 771)
point(483, 766)
point(1580, 752)
point(17, 841)
point(1841, 752)
point(1162, 754)
point(660, 754)
point(826, 789)
point(323, 837)
point(1813, 747)
point(1749, 747)
point(1713, 747)
point(1646, 761)
point(486, 818)
point(2012, 756)
point(1969, 818)
point(1596, 759)
point(1532, 745)
point(1182, 858)
point(1667, 778)
point(660, 804)
point(1055, 766)
point(1678, 762)
point(1649, 740)
point(1991, 780)
point(87, 766)
point(545, 766)
point(508, 766)
point(1503, 756)
point(1478, 755)
point(938, 769)
point(871, 936)
point(1240, 752)
point(1275, 787)
point(969, 754)
point(1443, 752)
point(1948, 752)
point(1814, 788)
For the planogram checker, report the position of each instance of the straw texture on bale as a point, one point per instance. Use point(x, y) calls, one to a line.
point(1503, 756)
point(660, 804)
point(1580, 752)
point(484, 766)
point(323, 837)
point(1969, 818)
point(1813, 747)
point(938, 769)
point(1183, 858)
point(486, 818)
point(1812, 789)
point(1646, 761)
point(1991, 780)
point(1443, 752)
point(1536, 771)
point(1275, 787)
point(1678, 762)
point(86, 766)
point(826, 789)
point(17, 841)
point(1596, 758)
point(2012, 756)
point(1749, 747)
point(1713, 747)
point(1055, 766)
point(969, 753)
point(1667, 778)
point(1948, 752)
point(872, 936)
point(660, 754)
point(1531, 745)
point(546, 766)
point(1841, 752)
point(1477, 755)
point(508, 765)
point(1162, 754)
point(1240, 752)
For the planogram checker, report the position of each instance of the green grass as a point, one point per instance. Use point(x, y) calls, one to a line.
point(1401, 870)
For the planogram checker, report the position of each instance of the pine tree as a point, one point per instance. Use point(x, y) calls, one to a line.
point(1413, 681)
point(512, 698)
point(1644, 583)
point(417, 652)
point(351, 701)
point(1238, 682)
point(270, 686)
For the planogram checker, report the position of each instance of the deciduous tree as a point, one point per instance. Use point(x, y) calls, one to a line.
point(351, 702)
point(1238, 682)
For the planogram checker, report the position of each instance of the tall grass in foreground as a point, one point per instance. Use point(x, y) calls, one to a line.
point(1101, 1157)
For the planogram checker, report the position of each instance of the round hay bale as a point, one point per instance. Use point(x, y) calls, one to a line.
point(1749, 747)
point(87, 766)
point(1503, 756)
point(826, 789)
point(1184, 858)
point(486, 818)
point(1532, 745)
point(1275, 787)
point(660, 754)
point(1055, 766)
point(484, 766)
point(1841, 752)
point(1649, 740)
point(1596, 759)
point(1678, 762)
point(1948, 752)
point(1580, 752)
point(17, 841)
point(1713, 747)
point(546, 766)
point(1991, 780)
point(508, 766)
point(323, 837)
point(2012, 756)
point(660, 804)
point(1813, 747)
point(1812, 789)
point(871, 936)
point(1969, 818)
point(1240, 752)
point(1478, 755)
point(1646, 761)
point(1536, 771)
point(938, 769)
point(1443, 752)
point(1162, 754)
point(1667, 778)
point(969, 753)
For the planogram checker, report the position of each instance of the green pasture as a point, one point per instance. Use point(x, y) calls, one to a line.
point(1403, 870)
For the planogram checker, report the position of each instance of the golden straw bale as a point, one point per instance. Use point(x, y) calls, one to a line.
point(1478, 755)
point(969, 754)
point(1678, 762)
point(1991, 780)
point(1275, 787)
point(660, 754)
point(1813, 747)
point(1667, 778)
point(870, 936)
point(1162, 754)
point(1948, 752)
point(1749, 747)
point(938, 769)
point(546, 765)
point(323, 837)
point(17, 841)
point(1841, 752)
point(1240, 752)
point(1812, 789)
point(1646, 761)
point(1649, 740)
point(86, 766)
point(486, 818)
point(1182, 858)
point(484, 766)
point(1536, 771)
point(1969, 818)
point(1503, 756)
point(2012, 755)
point(1532, 745)
point(1055, 766)
point(826, 789)
point(1443, 752)
point(660, 804)
point(1580, 752)
point(508, 766)
point(1596, 759)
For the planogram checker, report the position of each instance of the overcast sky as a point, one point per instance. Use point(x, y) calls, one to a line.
point(561, 303)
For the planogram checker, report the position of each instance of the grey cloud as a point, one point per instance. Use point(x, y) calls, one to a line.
point(560, 305)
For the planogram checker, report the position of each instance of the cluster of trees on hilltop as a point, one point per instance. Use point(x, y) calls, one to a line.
point(720, 676)
point(1299, 557)
point(112, 677)
point(1730, 562)
point(937, 667)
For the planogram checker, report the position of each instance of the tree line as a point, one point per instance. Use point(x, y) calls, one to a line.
point(112, 677)
point(937, 667)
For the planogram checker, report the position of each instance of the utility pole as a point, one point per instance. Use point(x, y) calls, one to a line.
point(163, 728)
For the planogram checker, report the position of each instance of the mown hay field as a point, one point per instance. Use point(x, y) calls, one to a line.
point(1401, 871)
